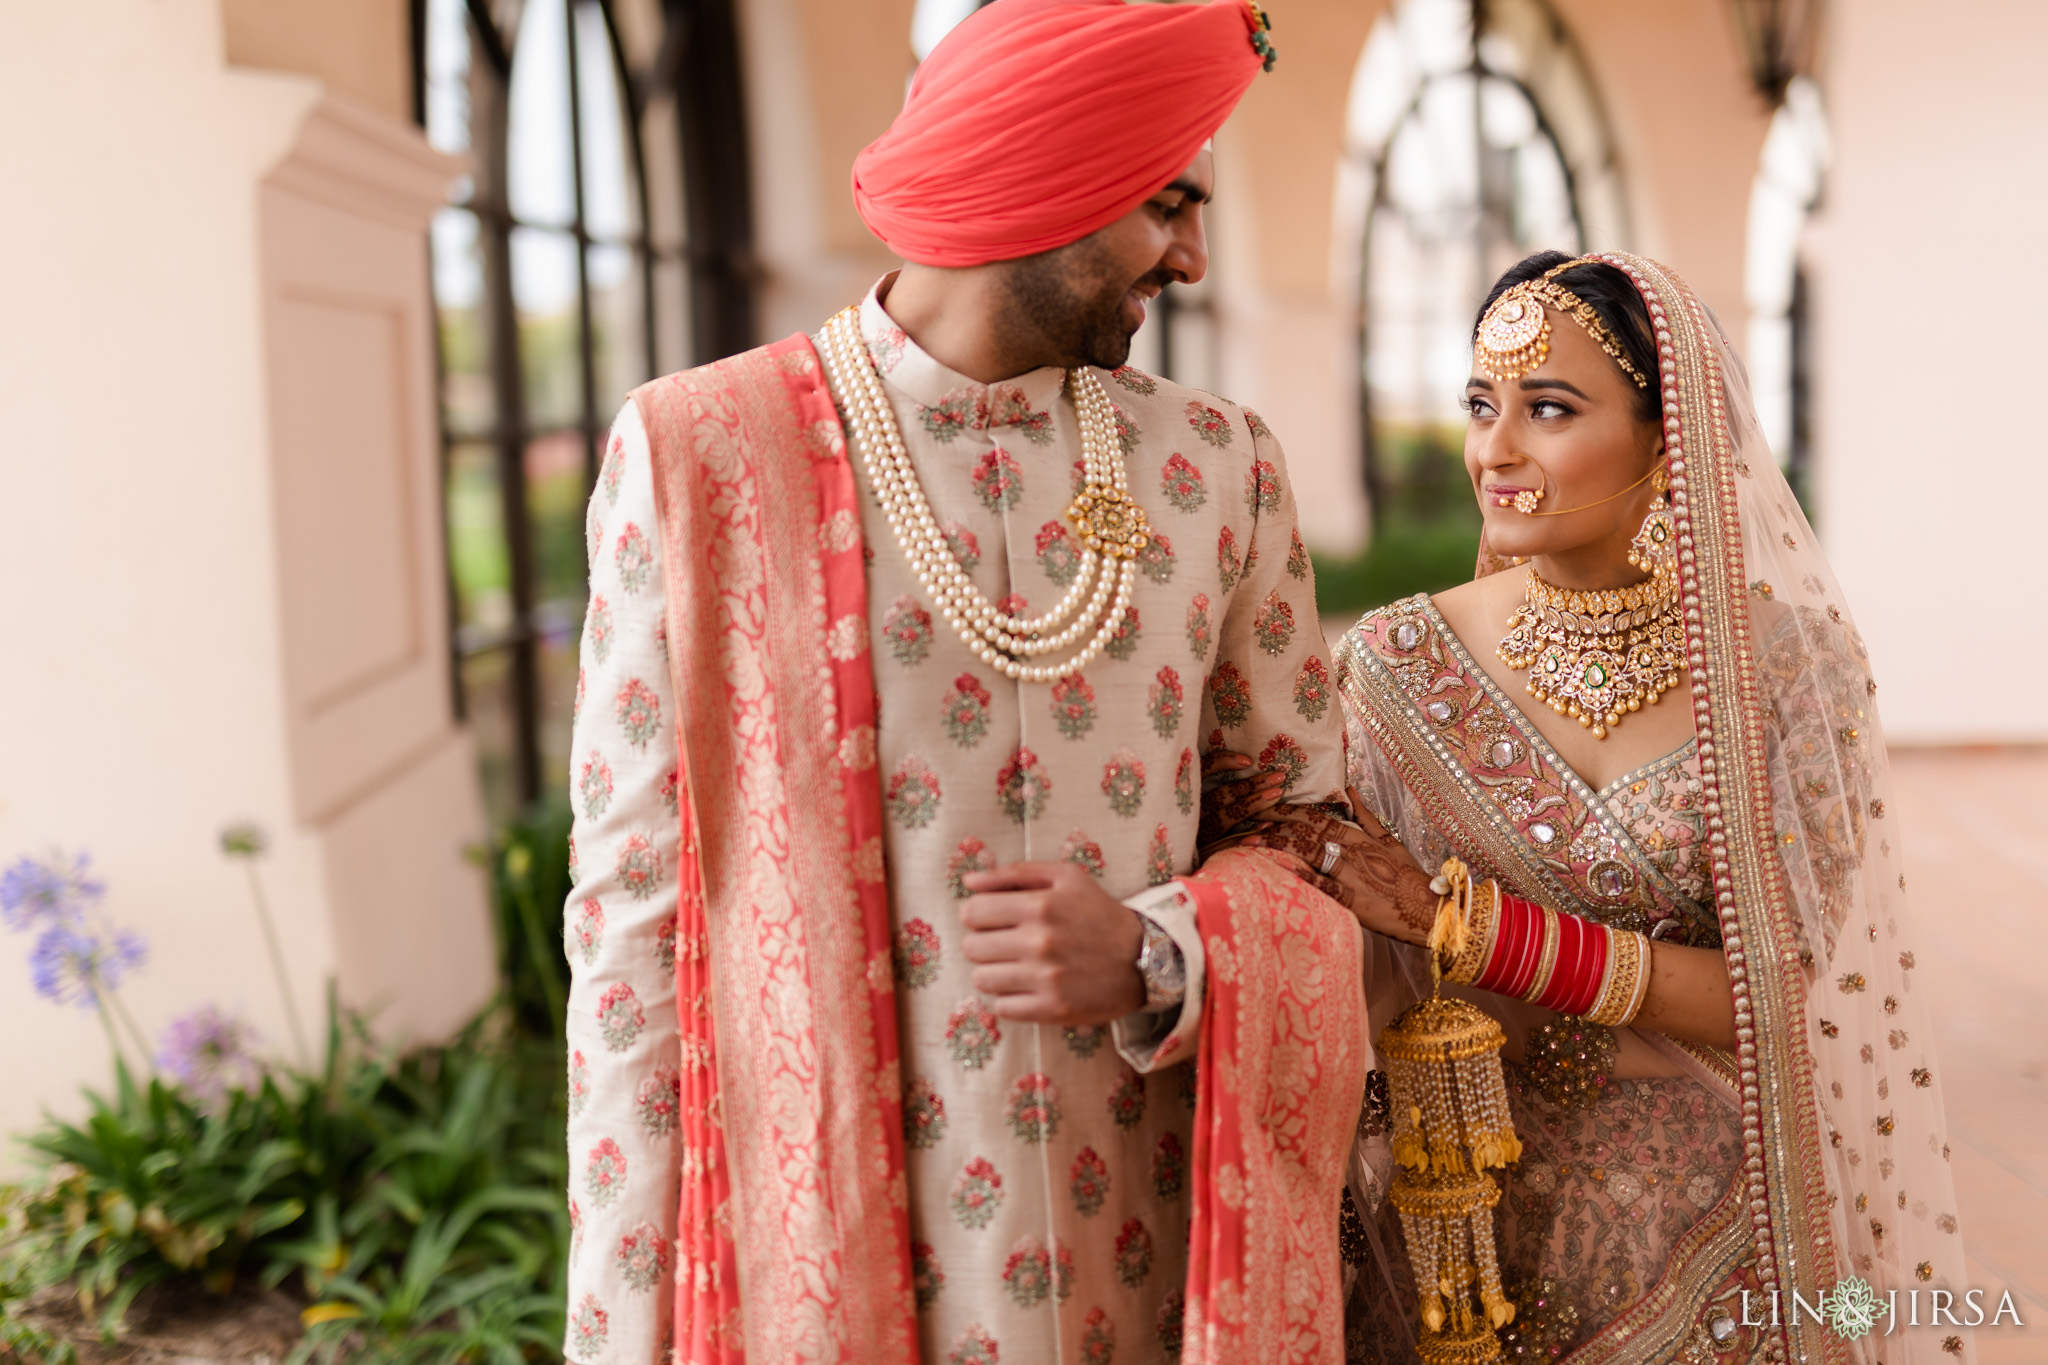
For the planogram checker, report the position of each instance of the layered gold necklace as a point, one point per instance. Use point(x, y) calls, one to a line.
point(1110, 526)
point(1598, 656)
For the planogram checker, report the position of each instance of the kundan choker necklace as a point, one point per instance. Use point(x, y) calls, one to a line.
point(1111, 527)
point(1597, 656)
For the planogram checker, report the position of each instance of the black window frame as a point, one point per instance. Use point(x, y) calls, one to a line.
point(697, 64)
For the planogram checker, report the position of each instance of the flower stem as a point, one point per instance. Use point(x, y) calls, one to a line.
point(108, 998)
point(111, 1001)
point(284, 981)
point(107, 1023)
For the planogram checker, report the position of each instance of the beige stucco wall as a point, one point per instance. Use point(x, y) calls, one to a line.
point(1924, 256)
point(190, 639)
point(361, 49)
point(823, 79)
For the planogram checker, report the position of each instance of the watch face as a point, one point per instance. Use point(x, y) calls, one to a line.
point(1160, 964)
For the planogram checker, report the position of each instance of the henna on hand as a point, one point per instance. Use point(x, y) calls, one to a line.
point(1392, 864)
point(1231, 802)
point(1373, 876)
point(1220, 762)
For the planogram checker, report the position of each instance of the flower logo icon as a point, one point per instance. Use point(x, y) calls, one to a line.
point(1853, 1308)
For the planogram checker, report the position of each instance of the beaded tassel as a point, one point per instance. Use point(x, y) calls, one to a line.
point(1451, 1125)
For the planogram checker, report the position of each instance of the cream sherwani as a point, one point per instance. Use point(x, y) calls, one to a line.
point(1047, 1166)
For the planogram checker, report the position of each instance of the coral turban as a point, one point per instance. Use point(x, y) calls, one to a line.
point(1038, 121)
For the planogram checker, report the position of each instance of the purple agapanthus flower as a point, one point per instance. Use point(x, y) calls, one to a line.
point(210, 1052)
point(70, 964)
point(36, 893)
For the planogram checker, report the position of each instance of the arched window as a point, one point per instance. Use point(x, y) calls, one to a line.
point(1789, 180)
point(1473, 138)
point(602, 238)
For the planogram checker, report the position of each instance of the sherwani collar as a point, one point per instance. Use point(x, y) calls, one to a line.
point(1023, 401)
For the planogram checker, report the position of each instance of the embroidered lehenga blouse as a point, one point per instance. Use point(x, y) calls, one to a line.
point(1602, 1195)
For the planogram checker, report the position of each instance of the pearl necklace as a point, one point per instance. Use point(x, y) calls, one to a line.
point(1111, 526)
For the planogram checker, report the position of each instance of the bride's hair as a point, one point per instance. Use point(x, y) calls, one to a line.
point(1611, 295)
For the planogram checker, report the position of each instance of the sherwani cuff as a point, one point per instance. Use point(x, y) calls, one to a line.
point(1149, 1040)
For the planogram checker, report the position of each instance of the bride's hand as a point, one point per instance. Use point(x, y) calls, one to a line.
point(1228, 805)
point(1369, 872)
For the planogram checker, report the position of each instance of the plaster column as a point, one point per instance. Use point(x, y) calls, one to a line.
point(824, 78)
point(221, 571)
point(1288, 313)
point(1927, 457)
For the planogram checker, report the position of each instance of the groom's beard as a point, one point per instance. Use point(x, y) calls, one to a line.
point(1073, 299)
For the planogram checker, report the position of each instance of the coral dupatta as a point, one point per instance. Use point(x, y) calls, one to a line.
point(792, 1164)
point(1283, 1060)
point(793, 1238)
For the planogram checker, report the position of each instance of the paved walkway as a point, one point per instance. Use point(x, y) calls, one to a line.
point(1976, 842)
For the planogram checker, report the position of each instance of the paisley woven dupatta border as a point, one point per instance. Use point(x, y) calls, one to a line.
point(793, 1241)
point(1282, 1066)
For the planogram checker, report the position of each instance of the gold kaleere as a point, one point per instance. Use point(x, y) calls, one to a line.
point(1451, 1125)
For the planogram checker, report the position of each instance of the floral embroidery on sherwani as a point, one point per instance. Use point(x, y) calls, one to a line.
point(623, 1057)
point(1043, 1194)
point(1047, 1174)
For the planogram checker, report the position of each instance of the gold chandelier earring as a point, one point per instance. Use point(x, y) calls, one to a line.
point(1655, 547)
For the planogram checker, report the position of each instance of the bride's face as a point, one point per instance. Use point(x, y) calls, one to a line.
point(1568, 427)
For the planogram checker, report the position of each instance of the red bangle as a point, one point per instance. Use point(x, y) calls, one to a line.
point(1578, 972)
point(1529, 970)
point(1520, 970)
point(1570, 952)
point(1513, 918)
point(1599, 947)
point(1507, 924)
point(1581, 964)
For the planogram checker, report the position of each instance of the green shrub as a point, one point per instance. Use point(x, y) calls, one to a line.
point(1405, 557)
point(1425, 523)
point(414, 1198)
point(529, 888)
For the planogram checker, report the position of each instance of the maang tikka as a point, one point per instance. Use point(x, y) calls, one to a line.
point(1514, 336)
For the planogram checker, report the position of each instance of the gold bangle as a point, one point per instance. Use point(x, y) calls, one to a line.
point(1547, 962)
point(1628, 980)
point(1482, 922)
point(1621, 960)
point(1641, 996)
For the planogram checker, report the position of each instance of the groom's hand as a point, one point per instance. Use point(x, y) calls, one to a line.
point(1050, 946)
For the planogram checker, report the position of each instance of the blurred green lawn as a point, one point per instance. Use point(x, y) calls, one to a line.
point(1426, 527)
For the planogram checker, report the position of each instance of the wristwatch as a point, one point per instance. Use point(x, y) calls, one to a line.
point(1160, 964)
